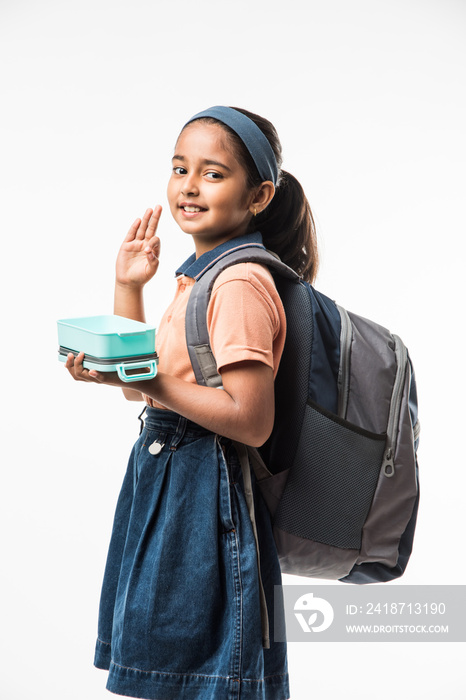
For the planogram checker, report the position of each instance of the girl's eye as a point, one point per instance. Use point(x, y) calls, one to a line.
point(213, 175)
point(179, 170)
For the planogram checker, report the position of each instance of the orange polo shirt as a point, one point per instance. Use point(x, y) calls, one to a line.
point(245, 319)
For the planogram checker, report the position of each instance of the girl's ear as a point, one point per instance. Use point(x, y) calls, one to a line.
point(263, 195)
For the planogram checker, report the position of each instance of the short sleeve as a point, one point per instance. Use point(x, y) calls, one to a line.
point(245, 317)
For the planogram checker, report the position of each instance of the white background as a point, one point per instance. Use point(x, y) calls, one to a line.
point(368, 98)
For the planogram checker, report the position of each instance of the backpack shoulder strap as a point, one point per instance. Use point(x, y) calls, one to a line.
point(197, 334)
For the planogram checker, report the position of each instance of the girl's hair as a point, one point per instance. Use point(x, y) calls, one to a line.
point(287, 225)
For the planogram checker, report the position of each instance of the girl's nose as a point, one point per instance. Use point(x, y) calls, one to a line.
point(190, 186)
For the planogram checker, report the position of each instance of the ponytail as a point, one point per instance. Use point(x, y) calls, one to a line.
point(288, 229)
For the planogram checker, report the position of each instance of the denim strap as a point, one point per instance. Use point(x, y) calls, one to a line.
point(242, 451)
point(179, 434)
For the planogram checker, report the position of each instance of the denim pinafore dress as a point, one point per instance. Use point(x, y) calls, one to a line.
point(180, 612)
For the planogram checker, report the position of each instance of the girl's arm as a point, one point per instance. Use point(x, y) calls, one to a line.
point(136, 264)
point(243, 410)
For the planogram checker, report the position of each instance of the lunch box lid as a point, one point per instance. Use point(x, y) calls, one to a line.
point(110, 324)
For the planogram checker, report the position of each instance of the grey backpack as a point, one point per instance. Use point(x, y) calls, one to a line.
point(339, 472)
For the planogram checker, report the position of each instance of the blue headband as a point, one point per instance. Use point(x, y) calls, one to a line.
point(255, 141)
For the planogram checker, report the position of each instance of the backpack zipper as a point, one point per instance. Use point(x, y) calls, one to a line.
point(388, 465)
point(346, 335)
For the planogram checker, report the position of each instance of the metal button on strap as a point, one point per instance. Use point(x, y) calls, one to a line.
point(156, 447)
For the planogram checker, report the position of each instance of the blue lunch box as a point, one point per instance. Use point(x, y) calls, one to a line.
point(110, 344)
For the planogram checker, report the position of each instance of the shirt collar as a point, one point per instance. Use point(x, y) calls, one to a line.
point(192, 266)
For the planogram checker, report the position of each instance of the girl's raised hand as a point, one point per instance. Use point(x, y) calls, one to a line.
point(138, 257)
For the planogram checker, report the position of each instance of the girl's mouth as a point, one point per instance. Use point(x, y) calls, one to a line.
point(191, 210)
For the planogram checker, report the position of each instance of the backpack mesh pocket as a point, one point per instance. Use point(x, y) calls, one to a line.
point(332, 481)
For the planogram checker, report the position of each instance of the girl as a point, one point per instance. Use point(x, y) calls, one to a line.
point(188, 591)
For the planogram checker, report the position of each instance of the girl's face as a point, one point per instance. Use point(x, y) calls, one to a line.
point(207, 190)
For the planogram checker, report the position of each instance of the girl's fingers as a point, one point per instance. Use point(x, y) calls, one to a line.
point(141, 232)
point(145, 227)
point(80, 372)
point(69, 361)
point(154, 221)
point(152, 248)
point(75, 367)
point(131, 235)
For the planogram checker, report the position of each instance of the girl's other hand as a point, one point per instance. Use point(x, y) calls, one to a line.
point(75, 367)
point(138, 258)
